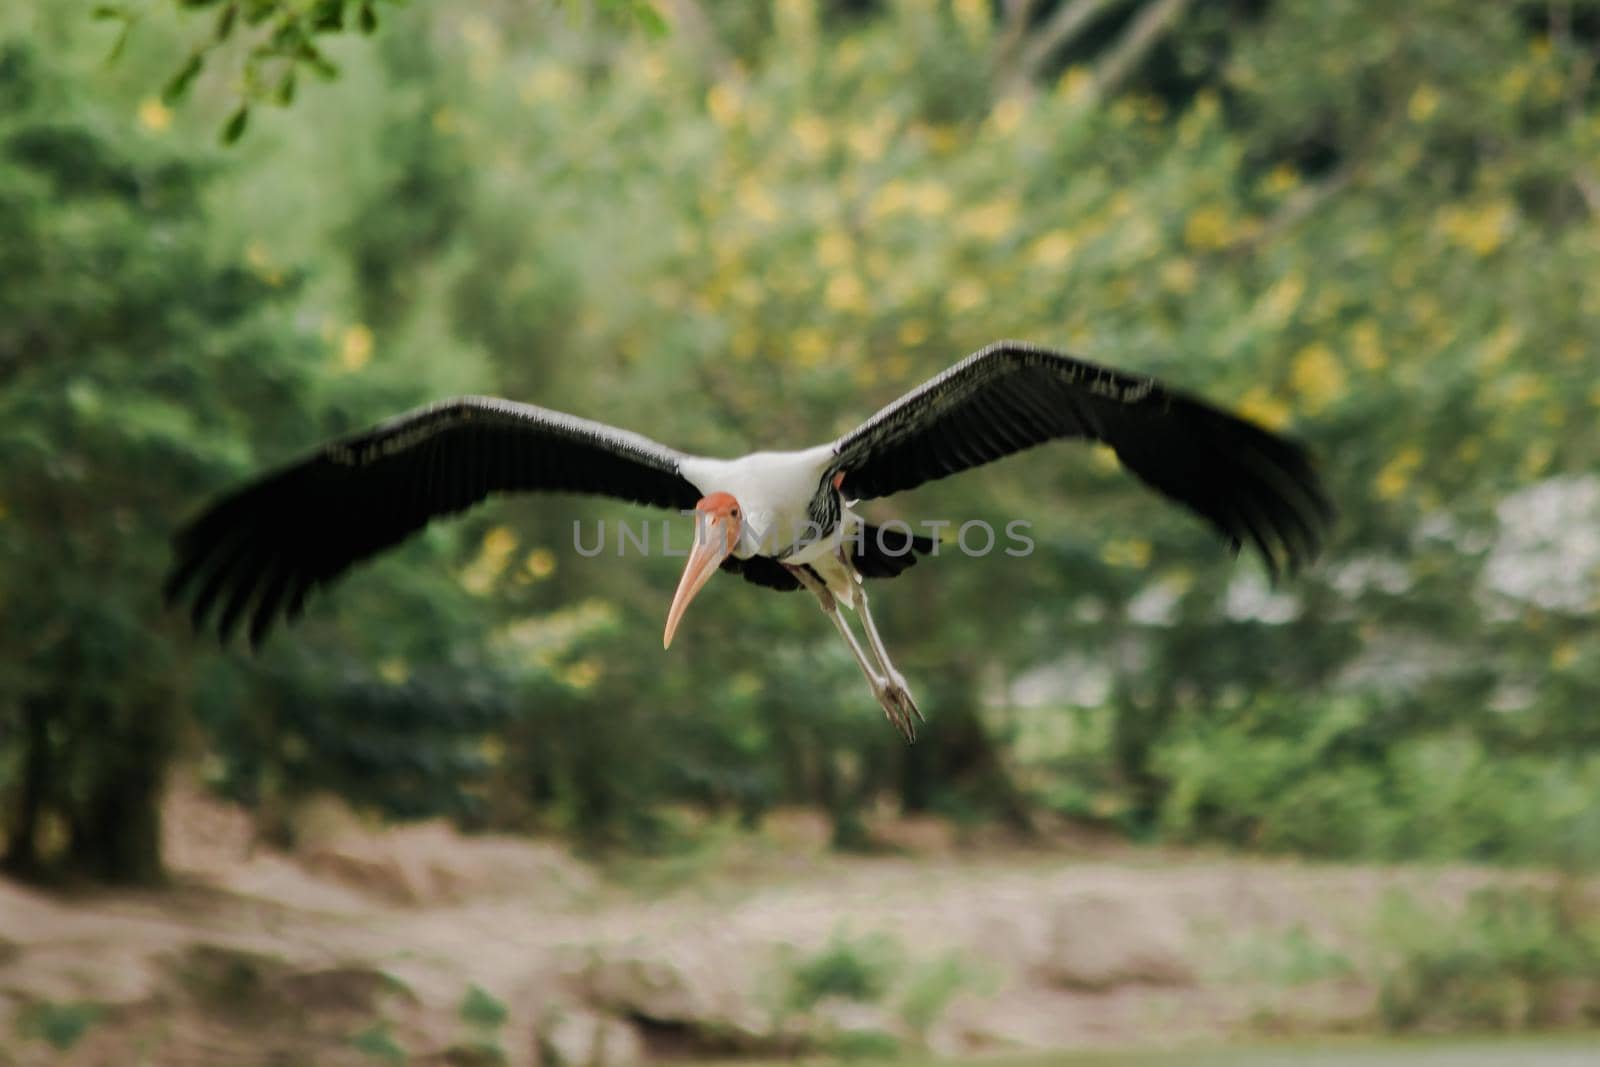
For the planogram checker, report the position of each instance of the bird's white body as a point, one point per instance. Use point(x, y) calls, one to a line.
point(774, 491)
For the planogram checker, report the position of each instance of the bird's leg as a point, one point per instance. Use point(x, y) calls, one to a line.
point(900, 692)
point(882, 688)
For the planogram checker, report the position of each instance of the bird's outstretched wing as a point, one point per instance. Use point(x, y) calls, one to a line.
point(1251, 484)
point(258, 551)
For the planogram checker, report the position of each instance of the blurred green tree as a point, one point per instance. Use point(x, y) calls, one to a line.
point(1374, 232)
point(118, 327)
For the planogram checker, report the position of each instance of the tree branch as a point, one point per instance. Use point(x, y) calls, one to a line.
point(1147, 28)
point(1296, 209)
point(1069, 20)
point(1015, 16)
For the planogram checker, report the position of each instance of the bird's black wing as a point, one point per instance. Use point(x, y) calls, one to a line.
point(883, 552)
point(258, 551)
point(1251, 484)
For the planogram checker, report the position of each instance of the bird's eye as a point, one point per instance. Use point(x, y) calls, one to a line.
point(734, 513)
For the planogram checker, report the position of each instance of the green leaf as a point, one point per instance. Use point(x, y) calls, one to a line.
point(480, 1008)
point(377, 1042)
point(310, 55)
point(260, 11)
point(285, 91)
point(235, 127)
point(369, 18)
point(120, 43)
point(328, 16)
point(62, 1025)
point(225, 22)
point(109, 11)
point(179, 85)
point(650, 19)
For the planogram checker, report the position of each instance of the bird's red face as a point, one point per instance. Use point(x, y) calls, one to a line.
point(716, 532)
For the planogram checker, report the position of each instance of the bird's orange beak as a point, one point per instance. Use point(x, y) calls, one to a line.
point(716, 532)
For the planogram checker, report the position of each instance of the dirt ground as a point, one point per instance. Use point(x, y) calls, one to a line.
point(418, 944)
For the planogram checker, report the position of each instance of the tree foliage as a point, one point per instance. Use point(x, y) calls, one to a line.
point(1372, 232)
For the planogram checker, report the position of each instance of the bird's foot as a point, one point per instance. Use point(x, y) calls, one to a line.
point(898, 705)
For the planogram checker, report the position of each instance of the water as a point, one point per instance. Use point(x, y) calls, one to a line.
point(1581, 1051)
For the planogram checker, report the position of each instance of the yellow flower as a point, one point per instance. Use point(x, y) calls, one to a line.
point(1208, 228)
point(1317, 376)
point(1284, 297)
point(1564, 655)
point(1522, 389)
point(1481, 229)
point(582, 674)
point(893, 197)
point(1513, 83)
point(1261, 406)
point(991, 220)
point(653, 69)
point(1500, 345)
point(913, 332)
point(943, 139)
point(154, 115)
point(1129, 552)
point(1178, 275)
point(261, 264)
point(810, 346)
point(835, 249)
point(755, 201)
point(355, 347)
point(479, 576)
point(722, 101)
point(1007, 115)
point(744, 342)
point(844, 292)
point(797, 16)
point(394, 670)
point(541, 563)
point(1536, 460)
point(1281, 179)
point(1104, 458)
point(974, 16)
point(965, 294)
point(811, 134)
point(544, 83)
point(1424, 102)
point(1075, 85)
point(1053, 249)
point(869, 139)
point(1366, 346)
point(1395, 476)
point(928, 197)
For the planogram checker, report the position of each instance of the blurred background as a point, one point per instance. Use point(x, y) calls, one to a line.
point(469, 808)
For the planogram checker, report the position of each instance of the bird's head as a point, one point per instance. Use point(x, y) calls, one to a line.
point(716, 532)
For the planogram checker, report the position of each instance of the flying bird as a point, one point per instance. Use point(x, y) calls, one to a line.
point(783, 520)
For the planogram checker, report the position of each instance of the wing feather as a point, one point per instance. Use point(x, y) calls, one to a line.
point(1252, 485)
point(261, 549)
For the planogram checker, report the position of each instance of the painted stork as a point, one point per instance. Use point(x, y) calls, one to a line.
point(784, 520)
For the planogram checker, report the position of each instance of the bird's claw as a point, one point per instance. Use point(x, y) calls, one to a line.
point(899, 707)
